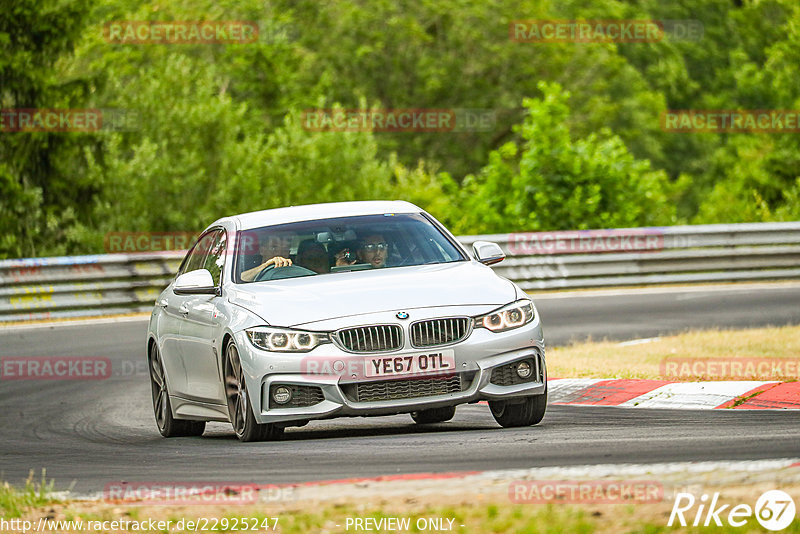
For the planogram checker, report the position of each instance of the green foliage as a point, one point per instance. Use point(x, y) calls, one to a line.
point(758, 175)
point(42, 187)
point(457, 54)
point(218, 127)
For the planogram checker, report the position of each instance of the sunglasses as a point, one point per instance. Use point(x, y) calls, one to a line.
point(375, 246)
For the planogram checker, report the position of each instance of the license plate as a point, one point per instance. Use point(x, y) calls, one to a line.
point(410, 364)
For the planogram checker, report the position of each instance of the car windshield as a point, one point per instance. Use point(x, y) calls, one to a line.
point(344, 244)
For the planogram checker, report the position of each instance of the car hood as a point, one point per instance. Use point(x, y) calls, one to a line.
point(298, 301)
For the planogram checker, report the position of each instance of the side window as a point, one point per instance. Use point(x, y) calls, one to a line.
point(195, 258)
point(215, 260)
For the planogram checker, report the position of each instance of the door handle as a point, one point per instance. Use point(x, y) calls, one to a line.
point(184, 309)
point(162, 304)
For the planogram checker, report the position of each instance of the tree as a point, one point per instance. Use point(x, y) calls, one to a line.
point(554, 181)
point(44, 192)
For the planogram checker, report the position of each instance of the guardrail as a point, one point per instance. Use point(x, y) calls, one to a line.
point(41, 288)
point(74, 286)
point(644, 256)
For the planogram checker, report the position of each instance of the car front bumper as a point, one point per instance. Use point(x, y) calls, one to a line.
point(476, 358)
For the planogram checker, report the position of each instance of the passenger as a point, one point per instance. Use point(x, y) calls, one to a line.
point(373, 250)
point(313, 256)
point(274, 247)
point(344, 253)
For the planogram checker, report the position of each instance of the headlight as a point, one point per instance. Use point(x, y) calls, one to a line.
point(508, 317)
point(285, 340)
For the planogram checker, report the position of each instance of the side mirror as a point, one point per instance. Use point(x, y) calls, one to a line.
point(488, 253)
point(197, 282)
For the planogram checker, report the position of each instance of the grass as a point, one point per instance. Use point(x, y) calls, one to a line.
point(13, 501)
point(496, 517)
point(609, 359)
point(468, 516)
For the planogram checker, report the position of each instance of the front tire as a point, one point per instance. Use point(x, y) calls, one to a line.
point(168, 426)
point(239, 406)
point(434, 415)
point(526, 413)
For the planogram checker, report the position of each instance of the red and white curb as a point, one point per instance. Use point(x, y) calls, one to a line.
point(629, 393)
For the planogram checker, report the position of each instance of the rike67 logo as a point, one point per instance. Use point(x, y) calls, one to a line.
point(774, 510)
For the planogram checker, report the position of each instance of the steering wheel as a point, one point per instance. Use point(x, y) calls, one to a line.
point(270, 272)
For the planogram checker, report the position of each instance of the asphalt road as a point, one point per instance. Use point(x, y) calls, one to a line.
point(91, 433)
point(642, 313)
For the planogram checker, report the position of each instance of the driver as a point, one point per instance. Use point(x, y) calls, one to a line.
point(274, 247)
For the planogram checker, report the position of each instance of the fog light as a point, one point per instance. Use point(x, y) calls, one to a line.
point(523, 369)
point(281, 394)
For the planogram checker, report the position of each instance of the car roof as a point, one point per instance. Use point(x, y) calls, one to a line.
point(310, 212)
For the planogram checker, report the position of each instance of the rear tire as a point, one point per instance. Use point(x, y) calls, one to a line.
point(168, 426)
point(526, 413)
point(239, 406)
point(433, 415)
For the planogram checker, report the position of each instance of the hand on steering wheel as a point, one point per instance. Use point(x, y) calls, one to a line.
point(272, 263)
point(286, 270)
point(277, 261)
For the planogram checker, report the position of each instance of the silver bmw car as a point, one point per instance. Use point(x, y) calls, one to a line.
point(281, 316)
